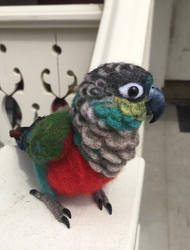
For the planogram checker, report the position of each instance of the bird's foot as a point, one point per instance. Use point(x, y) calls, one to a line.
point(102, 200)
point(61, 213)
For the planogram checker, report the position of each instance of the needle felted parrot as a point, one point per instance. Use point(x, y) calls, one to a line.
point(80, 150)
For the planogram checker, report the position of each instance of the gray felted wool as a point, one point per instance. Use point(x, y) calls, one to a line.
point(107, 149)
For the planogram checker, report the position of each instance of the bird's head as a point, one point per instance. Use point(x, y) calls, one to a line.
point(119, 95)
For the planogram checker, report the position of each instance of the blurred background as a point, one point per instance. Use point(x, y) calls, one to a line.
point(165, 208)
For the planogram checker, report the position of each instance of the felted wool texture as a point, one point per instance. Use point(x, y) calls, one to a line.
point(45, 142)
point(106, 122)
point(71, 174)
point(117, 117)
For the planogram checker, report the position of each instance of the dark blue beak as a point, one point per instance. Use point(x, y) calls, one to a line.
point(155, 104)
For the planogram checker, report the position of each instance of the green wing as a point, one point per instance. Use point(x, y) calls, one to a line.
point(46, 140)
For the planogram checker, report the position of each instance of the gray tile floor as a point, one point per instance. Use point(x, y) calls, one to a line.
point(165, 211)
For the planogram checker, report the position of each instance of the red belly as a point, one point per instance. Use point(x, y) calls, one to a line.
point(71, 173)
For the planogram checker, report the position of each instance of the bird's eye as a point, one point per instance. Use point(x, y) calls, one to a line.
point(131, 90)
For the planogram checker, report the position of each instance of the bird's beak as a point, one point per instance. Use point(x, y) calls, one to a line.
point(155, 104)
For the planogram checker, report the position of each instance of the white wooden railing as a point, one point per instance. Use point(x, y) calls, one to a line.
point(41, 45)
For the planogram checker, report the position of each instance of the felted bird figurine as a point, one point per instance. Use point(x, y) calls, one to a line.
point(80, 150)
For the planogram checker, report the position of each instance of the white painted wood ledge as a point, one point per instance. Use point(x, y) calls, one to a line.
point(30, 225)
point(62, 16)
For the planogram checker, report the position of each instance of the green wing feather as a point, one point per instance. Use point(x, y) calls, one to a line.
point(46, 140)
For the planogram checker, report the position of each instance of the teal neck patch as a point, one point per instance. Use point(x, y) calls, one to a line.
point(113, 118)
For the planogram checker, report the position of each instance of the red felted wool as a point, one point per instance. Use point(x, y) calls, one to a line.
point(71, 173)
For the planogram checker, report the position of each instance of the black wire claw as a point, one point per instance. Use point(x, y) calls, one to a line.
point(101, 200)
point(109, 208)
point(67, 212)
point(33, 191)
point(65, 221)
point(54, 206)
point(100, 204)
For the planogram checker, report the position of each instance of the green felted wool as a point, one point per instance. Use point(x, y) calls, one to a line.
point(46, 141)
